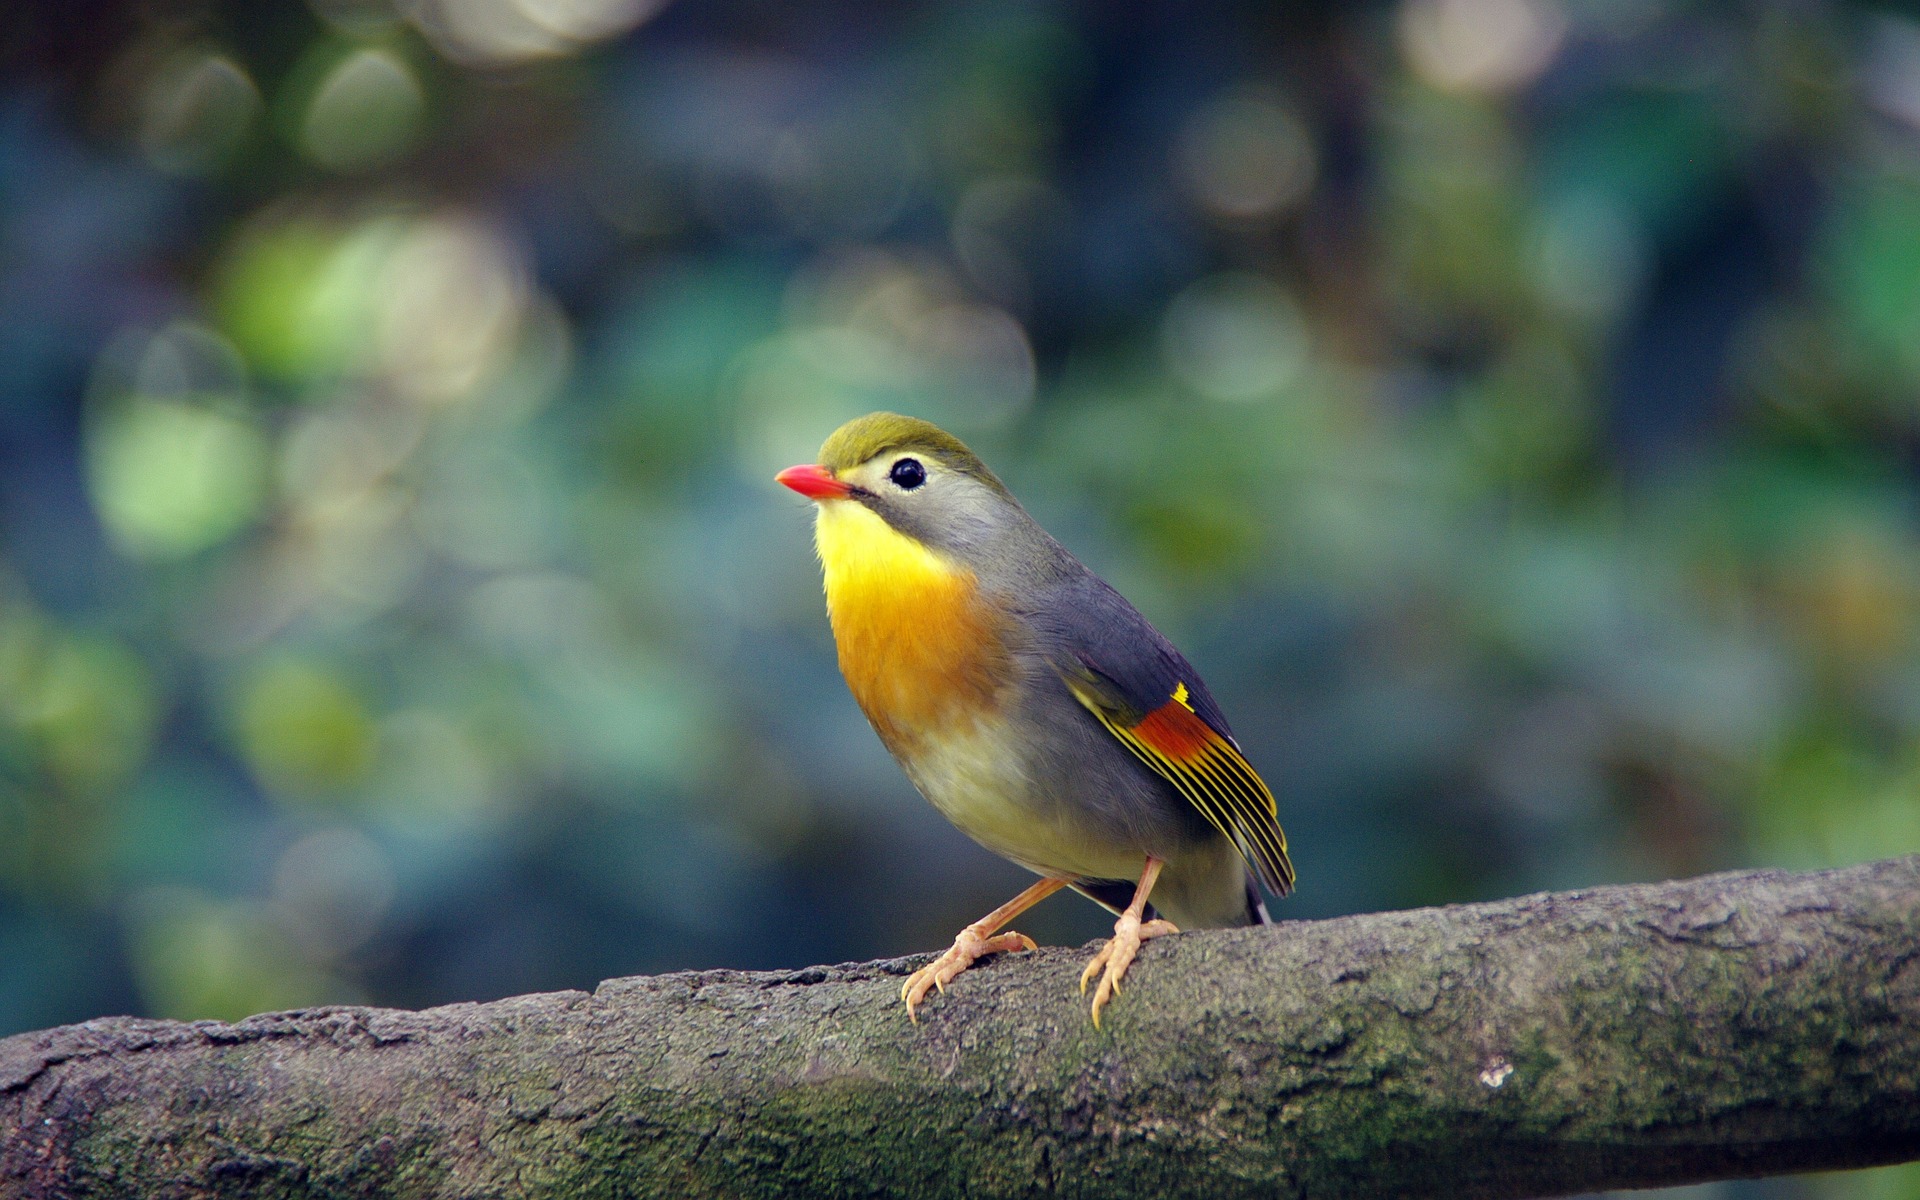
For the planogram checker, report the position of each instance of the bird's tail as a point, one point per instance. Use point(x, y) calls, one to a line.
point(1256, 907)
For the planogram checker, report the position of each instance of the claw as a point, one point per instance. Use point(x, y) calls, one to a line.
point(966, 948)
point(1093, 967)
point(1117, 955)
point(975, 941)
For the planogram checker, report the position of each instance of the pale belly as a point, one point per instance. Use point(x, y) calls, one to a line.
point(975, 778)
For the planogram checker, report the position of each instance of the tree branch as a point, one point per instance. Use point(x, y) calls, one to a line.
point(1734, 1025)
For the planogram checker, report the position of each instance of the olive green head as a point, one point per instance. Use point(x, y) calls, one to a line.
point(864, 439)
point(924, 483)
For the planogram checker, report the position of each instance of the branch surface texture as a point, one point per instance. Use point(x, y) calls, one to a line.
point(1739, 1024)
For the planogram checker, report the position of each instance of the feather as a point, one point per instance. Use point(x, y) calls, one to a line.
point(1123, 671)
point(919, 650)
point(1209, 770)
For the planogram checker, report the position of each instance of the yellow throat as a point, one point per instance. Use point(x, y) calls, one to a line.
point(920, 649)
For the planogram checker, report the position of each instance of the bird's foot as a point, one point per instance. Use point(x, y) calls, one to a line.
point(970, 945)
point(1117, 955)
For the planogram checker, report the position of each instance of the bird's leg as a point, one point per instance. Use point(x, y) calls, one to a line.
point(974, 941)
point(1128, 932)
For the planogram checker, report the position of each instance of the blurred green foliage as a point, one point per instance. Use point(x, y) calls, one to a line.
point(1512, 405)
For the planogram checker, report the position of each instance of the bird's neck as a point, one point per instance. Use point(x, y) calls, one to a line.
point(920, 648)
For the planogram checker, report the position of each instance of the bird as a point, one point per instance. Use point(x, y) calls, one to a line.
point(1030, 703)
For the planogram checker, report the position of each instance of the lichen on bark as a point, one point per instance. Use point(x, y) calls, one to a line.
point(1732, 1025)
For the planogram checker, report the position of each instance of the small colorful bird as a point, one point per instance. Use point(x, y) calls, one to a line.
point(1030, 703)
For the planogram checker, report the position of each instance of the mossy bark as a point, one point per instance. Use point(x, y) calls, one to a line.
point(1733, 1025)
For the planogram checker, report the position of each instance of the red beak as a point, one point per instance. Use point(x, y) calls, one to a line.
point(813, 482)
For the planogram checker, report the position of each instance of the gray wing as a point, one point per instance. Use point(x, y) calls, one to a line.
point(1148, 696)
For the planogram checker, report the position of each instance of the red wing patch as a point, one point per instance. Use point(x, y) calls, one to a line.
point(1211, 773)
point(1176, 731)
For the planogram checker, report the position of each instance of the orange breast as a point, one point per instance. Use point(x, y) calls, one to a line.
point(919, 646)
point(921, 654)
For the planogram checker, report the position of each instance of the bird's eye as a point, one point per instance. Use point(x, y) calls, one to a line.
point(908, 474)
